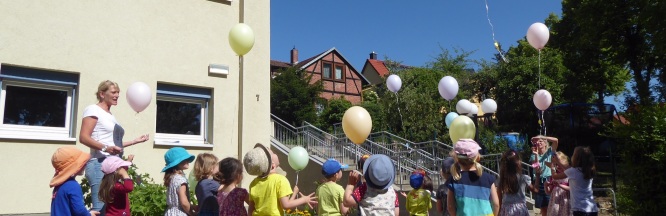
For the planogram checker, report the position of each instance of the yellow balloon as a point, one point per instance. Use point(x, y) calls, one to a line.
point(357, 123)
point(241, 38)
point(462, 127)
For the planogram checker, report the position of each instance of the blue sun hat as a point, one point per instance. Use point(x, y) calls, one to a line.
point(174, 156)
point(331, 167)
point(416, 180)
point(379, 171)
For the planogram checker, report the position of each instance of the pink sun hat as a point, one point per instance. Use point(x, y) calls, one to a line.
point(112, 163)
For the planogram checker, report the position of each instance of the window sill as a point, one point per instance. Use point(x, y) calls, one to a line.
point(33, 137)
point(35, 133)
point(162, 142)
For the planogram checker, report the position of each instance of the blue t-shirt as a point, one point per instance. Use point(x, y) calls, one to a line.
point(543, 159)
point(68, 199)
point(472, 193)
point(206, 193)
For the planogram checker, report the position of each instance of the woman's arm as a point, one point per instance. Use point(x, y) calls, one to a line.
point(182, 200)
point(85, 136)
point(138, 140)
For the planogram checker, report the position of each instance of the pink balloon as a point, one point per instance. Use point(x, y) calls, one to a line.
point(139, 96)
point(448, 87)
point(542, 99)
point(538, 35)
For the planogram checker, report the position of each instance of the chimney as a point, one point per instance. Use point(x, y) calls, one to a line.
point(373, 55)
point(294, 56)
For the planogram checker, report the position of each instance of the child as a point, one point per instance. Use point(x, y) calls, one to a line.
point(376, 196)
point(67, 197)
point(115, 186)
point(559, 189)
point(541, 157)
point(269, 192)
point(511, 185)
point(178, 200)
point(580, 175)
point(442, 191)
point(470, 192)
point(329, 193)
point(205, 167)
point(418, 200)
point(229, 196)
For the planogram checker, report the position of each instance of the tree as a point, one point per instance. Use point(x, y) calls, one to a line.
point(293, 96)
point(333, 112)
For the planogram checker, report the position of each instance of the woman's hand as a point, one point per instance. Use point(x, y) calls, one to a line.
point(140, 139)
point(114, 150)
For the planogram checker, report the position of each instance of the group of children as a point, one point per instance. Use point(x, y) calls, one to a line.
point(565, 190)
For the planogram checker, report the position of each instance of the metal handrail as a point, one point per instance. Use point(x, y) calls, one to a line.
point(613, 192)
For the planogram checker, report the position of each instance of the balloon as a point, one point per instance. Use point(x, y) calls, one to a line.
point(489, 106)
point(241, 38)
point(448, 87)
point(394, 83)
point(537, 35)
point(474, 111)
point(449, 118)
point(139, 96)
point(357, 123)
point(464, 106)
point(298, 158)
point(542, 99)
point(462, 128)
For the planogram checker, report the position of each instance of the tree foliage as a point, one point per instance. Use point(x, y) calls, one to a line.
point(294, 95)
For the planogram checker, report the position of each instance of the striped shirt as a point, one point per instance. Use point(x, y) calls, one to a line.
point(472, 193)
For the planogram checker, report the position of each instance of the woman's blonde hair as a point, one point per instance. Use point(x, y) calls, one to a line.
point(465, 162)
point(204, 165)
point(104, 86)
point(107, 185)
point(563, 158)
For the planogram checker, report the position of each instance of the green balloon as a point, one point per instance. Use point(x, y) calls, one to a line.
point(462, 127)
point(241, 38)
point(298, 158)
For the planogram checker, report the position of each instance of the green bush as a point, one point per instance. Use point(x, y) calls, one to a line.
point(641, 145)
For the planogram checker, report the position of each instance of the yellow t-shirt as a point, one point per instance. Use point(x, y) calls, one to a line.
point(418, 202)
point(329, 195)
point(266, 192)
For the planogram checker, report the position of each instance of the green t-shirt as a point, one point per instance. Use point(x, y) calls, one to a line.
point(330, 196)
point(418, 202)
point(266, 194)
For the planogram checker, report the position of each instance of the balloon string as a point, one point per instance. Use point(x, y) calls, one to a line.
point(543, 122)
point(398, 105)
point(296, 179)
point(539, 68)
point(492, 30)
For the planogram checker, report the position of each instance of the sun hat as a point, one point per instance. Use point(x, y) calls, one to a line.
point(257, 162)
point(467, 148)
point(416, 180)
point(112, 163)
point(67, 161)
point(332, 166)
point(174, 156)
point(446, 164)
point(379, 171)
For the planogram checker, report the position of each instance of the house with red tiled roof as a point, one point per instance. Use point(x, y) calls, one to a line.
point(375, 70)
point(339, 78)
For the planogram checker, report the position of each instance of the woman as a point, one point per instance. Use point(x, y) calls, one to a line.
point(103, 135)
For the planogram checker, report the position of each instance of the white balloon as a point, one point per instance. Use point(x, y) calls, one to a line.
point(464, 106)
point(542, 99)
point(139, 96)
point(488, 106)
point(393, 83)
point(538, 35)
point(448, 87)
point(474, 110)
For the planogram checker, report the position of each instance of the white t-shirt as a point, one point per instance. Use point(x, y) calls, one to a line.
point(581, 191)
point(103, 131)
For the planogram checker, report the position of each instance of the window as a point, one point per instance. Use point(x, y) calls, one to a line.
point(36, 104)
point(338, 72)
point(182, 116)
point(327, 71)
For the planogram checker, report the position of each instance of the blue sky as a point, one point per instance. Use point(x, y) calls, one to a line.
point(408, 31)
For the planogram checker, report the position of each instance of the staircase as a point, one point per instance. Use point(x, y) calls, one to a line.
point(406, 155)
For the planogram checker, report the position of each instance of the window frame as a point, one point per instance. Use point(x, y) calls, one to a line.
point(334, 76)
point(31, 132)
point(169, 139)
